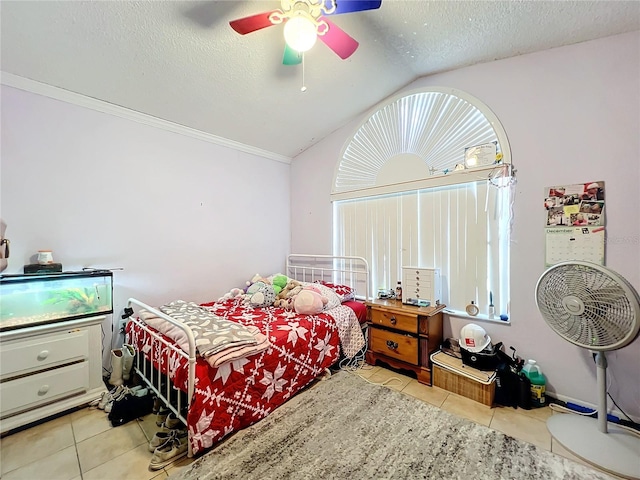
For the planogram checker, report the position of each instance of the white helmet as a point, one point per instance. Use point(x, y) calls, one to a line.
point(474, 338)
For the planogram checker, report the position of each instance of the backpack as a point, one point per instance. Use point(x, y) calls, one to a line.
point(130, 407)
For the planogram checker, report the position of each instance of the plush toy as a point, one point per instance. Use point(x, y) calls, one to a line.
point(254, 287)
point(279, 282)
point(291, 289)
point(233, 293)
point(286, 303)
point(309, 301)
point(256, 279)
point(286, 297)
point(264, 296)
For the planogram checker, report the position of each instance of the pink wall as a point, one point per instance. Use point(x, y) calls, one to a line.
point(185, 218)
point(572, 115)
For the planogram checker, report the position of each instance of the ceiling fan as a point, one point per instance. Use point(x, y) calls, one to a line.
point(305, 21)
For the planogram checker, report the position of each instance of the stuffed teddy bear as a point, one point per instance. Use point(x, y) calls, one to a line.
point(286, 303)
point(286, 296)
point(291, 289)
point(309, 301)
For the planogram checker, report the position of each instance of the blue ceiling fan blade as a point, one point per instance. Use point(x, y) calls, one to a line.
point(349, 6)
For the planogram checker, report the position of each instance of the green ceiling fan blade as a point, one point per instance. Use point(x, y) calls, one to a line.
point(291, 56)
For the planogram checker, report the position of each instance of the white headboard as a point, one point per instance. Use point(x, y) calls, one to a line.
point(351, 271)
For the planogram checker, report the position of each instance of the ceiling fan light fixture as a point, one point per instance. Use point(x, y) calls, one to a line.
point(300, 33)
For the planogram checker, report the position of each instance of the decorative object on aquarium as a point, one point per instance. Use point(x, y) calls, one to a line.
point(45, 257)
point(47, 268)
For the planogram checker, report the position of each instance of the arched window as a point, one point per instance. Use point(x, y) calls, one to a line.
point(411, 190)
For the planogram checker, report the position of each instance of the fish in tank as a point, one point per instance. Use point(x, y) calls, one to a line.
point(37, 299)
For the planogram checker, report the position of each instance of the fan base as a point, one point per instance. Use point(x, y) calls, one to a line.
point(617, 451)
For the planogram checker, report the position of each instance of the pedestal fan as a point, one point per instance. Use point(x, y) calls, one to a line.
point(596, 309)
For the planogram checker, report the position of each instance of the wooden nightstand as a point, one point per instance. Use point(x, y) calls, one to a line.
point(404, 336)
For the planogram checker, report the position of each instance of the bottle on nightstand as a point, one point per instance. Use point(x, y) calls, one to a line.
point(399, 291)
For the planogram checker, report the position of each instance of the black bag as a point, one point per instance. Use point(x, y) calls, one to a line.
point(129, 408)
point(507, 386)
point(512, 388)
point(486, 359)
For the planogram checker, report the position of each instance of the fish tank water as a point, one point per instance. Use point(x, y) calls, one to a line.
point(37, 299)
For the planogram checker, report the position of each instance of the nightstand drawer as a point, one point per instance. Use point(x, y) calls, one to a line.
point(398, 321)
point(43, 351)
point(28, 392)
point(395, 345)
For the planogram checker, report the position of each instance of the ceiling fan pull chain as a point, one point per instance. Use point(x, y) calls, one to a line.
point(304, 87)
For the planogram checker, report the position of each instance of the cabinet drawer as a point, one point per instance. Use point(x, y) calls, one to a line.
point(423, 283)
point(28, 392)
point(415, 291)
point(396, 345)
point(399, 321)
point(43, 351)
point(417, 276)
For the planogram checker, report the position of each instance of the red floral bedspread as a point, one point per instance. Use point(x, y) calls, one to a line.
point(240, 393)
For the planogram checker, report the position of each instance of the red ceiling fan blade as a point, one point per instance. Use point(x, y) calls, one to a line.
point(338, 40)
point(251, 24)
point(348, 6)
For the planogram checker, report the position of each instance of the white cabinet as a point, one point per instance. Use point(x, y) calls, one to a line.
point(421, 285)
point(48, 369)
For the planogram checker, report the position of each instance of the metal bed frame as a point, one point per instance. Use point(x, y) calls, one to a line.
point(353, 271)
point(345, 270)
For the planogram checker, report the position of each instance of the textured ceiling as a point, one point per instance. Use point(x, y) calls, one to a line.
point(180, 61)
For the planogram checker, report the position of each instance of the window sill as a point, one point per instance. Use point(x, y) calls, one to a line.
point(480, 317)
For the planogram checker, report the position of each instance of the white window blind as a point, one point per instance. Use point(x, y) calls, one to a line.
point(461, 229)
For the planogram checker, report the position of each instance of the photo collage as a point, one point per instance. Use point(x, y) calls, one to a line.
point(575, 205)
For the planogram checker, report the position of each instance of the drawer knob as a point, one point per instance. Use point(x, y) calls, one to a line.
point(43, 390)
point(43, 354)
point(393, 320)
point(391, 345)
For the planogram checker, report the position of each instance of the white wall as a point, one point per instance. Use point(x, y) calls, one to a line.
point(572, 115)
point(185, 218)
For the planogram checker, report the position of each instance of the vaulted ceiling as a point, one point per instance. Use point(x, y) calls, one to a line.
point(180, 61)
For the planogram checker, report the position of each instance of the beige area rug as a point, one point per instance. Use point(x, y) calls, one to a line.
point(346, 428)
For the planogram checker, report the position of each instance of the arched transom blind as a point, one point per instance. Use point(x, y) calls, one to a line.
point(417, 136)
point(398, 199)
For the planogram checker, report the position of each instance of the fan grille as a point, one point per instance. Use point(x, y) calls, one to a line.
point(588, 305)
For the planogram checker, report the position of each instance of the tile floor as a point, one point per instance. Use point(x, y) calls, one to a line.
point(83, 445)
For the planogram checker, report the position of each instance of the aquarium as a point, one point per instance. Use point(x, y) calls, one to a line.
point(38, 299)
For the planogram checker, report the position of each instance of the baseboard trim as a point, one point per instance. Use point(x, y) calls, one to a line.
point(57, 93)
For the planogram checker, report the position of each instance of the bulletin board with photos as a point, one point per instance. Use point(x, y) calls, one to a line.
point(575, 219)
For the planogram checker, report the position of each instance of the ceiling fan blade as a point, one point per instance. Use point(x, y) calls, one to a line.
point(251, 24)
point(338, 40)
point(291, 56)
point(349, 6)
